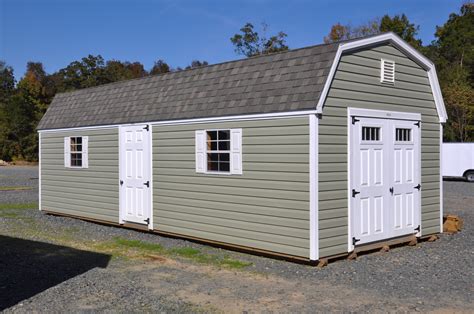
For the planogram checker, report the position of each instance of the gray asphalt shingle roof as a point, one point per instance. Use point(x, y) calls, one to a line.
point(287, 81)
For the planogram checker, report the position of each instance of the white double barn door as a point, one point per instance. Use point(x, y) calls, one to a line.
point(385, 178)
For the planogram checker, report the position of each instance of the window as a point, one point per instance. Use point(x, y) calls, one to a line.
point(402, 135)
point(219, 151)
point(387, 71)
point(76, 152)
point(370, 133)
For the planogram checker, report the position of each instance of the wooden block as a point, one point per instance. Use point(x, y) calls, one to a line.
point(323, 262)
point(413, 241)
point(452, 224)
point(433, 238)
point(352, 256)
point(385, 248)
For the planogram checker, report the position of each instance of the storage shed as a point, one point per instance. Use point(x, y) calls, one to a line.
point(308, 153)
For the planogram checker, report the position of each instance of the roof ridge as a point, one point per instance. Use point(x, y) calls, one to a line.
point(201, 67)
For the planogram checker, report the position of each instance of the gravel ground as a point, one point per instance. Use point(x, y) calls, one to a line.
point(431, 276)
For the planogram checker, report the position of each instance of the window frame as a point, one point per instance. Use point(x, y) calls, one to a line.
point(207, 152)
point(371, 126)
point(409, 133)
point(71, 152)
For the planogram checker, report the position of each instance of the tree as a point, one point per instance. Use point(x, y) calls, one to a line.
point(88, 72)
point(400, 25)
point(160, 67)
point(196, 64)
point(455, 41)
point(453, 54)
point(340, 32)
point(115, 71)
point(250, 43)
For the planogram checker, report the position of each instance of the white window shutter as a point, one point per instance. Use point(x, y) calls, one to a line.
point(67, 152)
point(236, 151)
point(200, 151)
point(85, 152)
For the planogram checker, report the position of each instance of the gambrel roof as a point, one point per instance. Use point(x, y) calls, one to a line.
point(294, 80)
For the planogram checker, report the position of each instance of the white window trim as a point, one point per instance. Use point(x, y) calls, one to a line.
point(84, 152)
point(231, 152)
point(383, 76)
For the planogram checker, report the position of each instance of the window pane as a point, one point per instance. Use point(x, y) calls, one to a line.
point(212, 146)
point(224, 135)
point(213, 166)
point(224, 145)
point(224, 157)
point(78, 140)
point(213, 157)
point(212, 135)
point(402, 135)
point(224, 166)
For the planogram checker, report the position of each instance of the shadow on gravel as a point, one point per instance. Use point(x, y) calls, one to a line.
point(29, 267)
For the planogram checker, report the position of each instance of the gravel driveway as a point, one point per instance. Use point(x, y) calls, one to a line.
point(61, 264)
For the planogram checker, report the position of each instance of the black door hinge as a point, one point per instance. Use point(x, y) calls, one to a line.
point(147, 221)
point(147, 184)
point(417, 124)
point(147, 128)
point(418, 187)
point(121, 182)
point(354, 120)
point(354, 193)
point(417, 228)
point(354, 240)
point(391, 190)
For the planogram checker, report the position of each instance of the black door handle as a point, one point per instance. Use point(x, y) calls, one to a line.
point(121, 182)
point(391, 190)
point(147, 184)
point(354, 193)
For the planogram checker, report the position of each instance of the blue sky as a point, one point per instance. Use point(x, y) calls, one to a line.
point(57, 32)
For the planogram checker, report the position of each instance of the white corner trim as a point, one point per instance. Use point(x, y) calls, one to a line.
point(150, 139)
point(313, 188)
point(372, 113)
point(401, 44)
point(261, 116)
point(441, 197)
point(39, 171)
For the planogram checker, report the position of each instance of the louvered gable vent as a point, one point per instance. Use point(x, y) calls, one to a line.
point(387, 71)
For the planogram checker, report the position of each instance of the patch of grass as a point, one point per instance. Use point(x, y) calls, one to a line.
point(140, 245)
point(120, 247)
point(185, 252)
point(19, 206)
point(15, 188)
point(5, 214)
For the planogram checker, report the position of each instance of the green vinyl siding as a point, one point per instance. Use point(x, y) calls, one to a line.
point(267, 207)
point(357, 84)
point(87, 192)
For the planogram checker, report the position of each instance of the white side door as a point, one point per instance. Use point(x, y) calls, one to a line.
point(370, 196)
point(135, 174)
point(406, 177)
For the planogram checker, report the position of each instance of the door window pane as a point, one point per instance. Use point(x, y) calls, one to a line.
point(370, 133)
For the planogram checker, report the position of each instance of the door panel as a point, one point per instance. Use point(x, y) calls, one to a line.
point(135, 166)
point(370, 204)
point(406, 177)
point(385, 165)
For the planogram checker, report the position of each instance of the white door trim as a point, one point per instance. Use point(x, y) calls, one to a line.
point(370, 113)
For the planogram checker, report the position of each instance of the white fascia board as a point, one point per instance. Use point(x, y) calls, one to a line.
point(401, 44)
point(261, 116)
point(39, 171)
